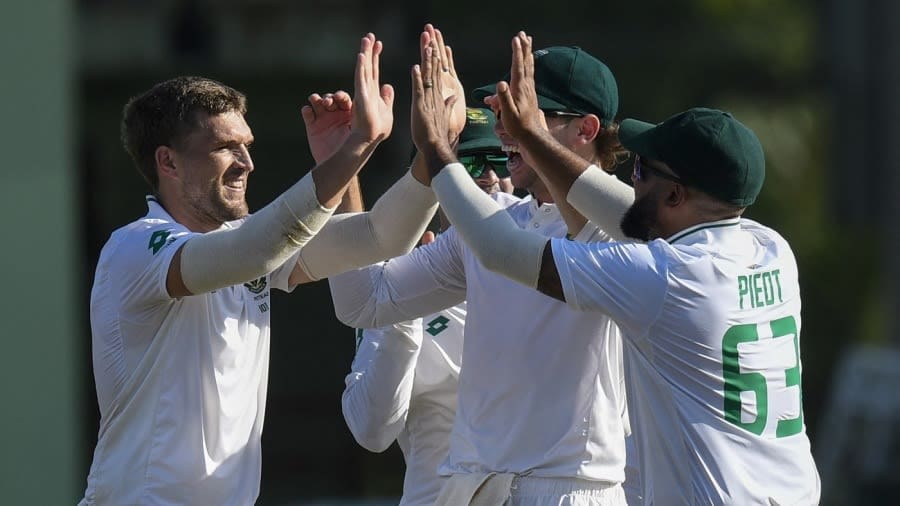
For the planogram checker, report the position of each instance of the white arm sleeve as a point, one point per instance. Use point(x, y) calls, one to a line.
point(392, 228)
point(378, 389)
point(601, 198)
point(495, 239)
point(262, 243)
point(425, 281)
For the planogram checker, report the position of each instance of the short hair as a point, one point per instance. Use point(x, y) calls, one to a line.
point(167, 113)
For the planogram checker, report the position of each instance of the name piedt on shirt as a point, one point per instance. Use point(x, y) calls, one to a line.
point(759, 289)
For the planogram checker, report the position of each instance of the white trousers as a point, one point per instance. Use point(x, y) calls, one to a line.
point(511, 490)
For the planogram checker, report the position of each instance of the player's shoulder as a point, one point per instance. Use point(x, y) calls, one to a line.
point(141, 240)
point(507, 200)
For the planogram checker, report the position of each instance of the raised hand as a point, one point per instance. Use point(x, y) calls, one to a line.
point(517, 100)
point(327, 119)
point(372, 112)
point(430, 113)
point(450, 80)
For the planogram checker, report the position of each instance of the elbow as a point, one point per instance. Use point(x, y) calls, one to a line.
point(370, 436)
point(372, 441)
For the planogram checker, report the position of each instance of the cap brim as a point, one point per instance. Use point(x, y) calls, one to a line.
point(479, 145)
point(479, 94)
point(638, 137)
point(544, 103)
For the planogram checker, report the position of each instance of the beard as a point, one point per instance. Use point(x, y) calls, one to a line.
point(640, 218)
point(214, 205)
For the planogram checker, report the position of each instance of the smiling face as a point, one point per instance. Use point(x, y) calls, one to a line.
point(522, 175)
point(214, 164)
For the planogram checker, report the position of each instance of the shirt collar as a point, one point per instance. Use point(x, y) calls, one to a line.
point(699, 232)
point(156, 211)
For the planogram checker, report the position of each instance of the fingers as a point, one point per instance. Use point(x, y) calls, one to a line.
point(451, 65)
point(376, 57)
point(528, 49)
point(441, 50)
point(436, 71)
point(424, 42)
point(387, 95)
point(517, 67)
point(418, 89)
point(364, 64)
point(309, 116)
point(342, 100)
point(508, 107)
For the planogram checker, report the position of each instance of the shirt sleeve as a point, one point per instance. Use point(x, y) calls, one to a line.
point(140, 266)
point(376, 398)
point(425, 281)
point(627, 281)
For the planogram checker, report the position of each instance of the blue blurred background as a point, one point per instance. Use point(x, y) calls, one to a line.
point(817, 81)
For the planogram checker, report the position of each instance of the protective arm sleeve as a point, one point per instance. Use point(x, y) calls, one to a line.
point(378, 389)
point(392, 228)
point(425, 281)
point(602, 198)
point(492, 235)
point(263, 242)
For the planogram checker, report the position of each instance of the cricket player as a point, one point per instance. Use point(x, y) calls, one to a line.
point(540, 412)
point(405, 376)
point(709, 307)
point(181, 297)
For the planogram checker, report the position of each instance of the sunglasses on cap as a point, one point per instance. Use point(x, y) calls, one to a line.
point(641, 169)
point(476, 165)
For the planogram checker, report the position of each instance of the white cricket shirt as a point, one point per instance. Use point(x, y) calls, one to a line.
point(711, 320)
point(181, 383)
point(403, 386)
point(541, 392)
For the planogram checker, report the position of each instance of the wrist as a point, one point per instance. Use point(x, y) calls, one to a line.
point(438, 157)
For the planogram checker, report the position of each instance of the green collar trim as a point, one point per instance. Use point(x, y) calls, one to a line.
point(731, 222)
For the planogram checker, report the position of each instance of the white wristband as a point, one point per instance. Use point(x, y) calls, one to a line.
point(498, 243)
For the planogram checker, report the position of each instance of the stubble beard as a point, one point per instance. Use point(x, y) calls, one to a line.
point(213, 206)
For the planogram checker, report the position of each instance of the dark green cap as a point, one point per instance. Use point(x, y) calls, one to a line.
point(707, 148)
point(569, 79)
point(478, 134)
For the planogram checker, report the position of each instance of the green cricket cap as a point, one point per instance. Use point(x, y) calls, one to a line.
point(569, 79)
point(478, 134)
point(707, 148)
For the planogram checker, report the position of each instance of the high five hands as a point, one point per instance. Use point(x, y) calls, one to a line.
point(436, 118)
point(516, 102)
point(372, 116)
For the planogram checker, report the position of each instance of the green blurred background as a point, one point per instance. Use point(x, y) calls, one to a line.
point(817, 81)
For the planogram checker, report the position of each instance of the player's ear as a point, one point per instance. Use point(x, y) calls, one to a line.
point(589, 128)
point(165, 162)
point(677, 193)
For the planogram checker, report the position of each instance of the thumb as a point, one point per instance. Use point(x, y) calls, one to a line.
point(309, 116)
point(427, 237)
point(387, 94)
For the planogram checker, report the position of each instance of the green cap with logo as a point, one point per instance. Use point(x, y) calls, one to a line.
point(706, 148)
point(478, 134)
point(569, 79)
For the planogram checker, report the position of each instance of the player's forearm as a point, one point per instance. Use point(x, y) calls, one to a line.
point(495, 239)
point(376, 400)
point(351, 200)
point(262, 243)
point(404, 288)
point(392, 228)
point(602, 198)
point(333, 176)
